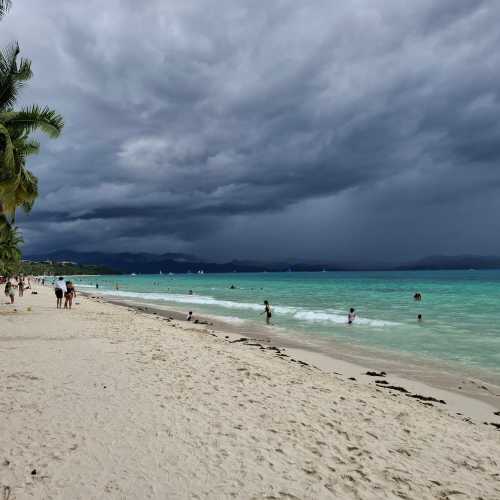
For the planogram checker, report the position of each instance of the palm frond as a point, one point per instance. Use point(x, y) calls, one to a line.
point(12, 75)
point(4, 6)
point(7, 160)
point(35, 118)
point(10, 242)
point(27, 147)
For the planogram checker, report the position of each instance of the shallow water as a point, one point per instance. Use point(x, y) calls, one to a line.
point(460, 309)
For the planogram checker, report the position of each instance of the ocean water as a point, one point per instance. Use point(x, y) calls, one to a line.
point(460, 309)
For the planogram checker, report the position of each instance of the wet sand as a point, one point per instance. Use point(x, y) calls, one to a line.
point(470, 394)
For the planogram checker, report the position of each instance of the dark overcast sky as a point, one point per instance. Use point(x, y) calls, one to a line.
point(241, 129)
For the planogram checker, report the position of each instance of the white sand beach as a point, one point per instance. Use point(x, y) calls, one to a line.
point(108, 402)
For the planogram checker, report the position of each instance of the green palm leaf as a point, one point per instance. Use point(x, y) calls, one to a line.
point(10, 242)
point(13, 74)
point(34, 118)
point(4, 6)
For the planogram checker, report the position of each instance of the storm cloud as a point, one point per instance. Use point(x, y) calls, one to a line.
point(238, 129)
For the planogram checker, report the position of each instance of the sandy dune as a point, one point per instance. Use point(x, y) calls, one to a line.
point(107, 402)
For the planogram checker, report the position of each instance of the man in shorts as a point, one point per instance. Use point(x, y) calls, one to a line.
point(60, 289)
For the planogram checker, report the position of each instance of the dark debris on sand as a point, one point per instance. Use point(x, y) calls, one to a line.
point(425, 399)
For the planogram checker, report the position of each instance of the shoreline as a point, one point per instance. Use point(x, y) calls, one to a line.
point(474, 403)
point(108, 401)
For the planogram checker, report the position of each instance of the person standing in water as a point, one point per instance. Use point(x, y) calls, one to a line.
point(267, 311)
point(351, 316)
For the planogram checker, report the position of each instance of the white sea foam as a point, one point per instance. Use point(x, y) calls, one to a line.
point(339, 318)
point(184, 299)
point(313, 316)
point(232, 319)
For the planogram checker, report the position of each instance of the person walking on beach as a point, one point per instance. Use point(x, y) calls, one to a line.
point(351, 316)
point(267, 311)
point(60, 290)
point(9, 291)
point(20, 286)
point(69, 295)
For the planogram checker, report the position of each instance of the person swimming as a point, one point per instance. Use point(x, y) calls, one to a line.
point(351, 316)
point(419, 318)
point(418, 296)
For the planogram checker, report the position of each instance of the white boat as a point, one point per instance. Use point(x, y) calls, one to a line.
point(133, 274)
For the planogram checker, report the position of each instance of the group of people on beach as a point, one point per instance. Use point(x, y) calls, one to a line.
point(64, 289)
point(21, 283)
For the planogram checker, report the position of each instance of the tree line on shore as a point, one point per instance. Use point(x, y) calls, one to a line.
point(18, 185)
point(29, 268)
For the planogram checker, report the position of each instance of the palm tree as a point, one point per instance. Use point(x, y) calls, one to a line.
point(4, 7)
point(18, 186)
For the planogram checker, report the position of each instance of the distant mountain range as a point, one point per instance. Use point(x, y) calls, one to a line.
point(147, 263)
point(443, 262)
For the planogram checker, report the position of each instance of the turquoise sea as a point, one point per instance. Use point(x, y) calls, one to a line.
point(460, 309)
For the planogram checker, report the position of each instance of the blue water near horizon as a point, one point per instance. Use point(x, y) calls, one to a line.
point(460, 309)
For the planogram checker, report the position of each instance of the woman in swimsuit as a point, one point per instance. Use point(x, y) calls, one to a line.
point(69, 295)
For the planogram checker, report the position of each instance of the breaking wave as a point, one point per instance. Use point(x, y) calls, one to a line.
point(297, 313)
